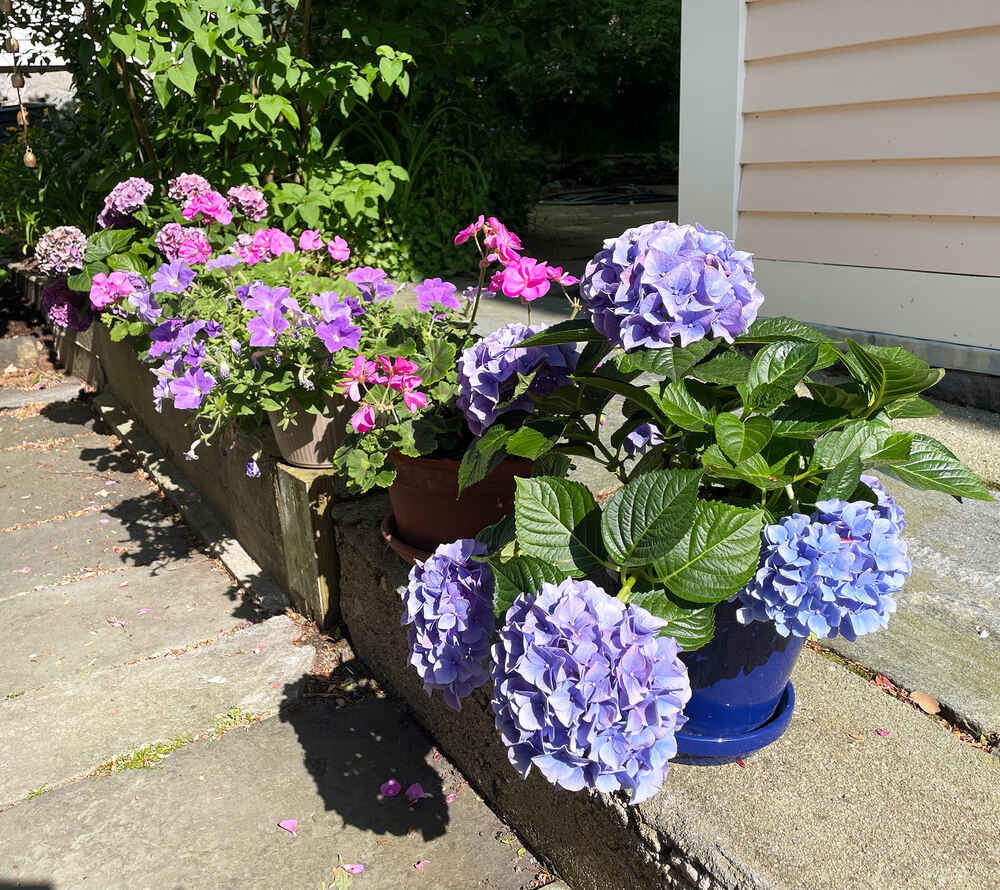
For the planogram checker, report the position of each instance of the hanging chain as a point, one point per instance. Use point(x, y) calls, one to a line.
point(17, 81)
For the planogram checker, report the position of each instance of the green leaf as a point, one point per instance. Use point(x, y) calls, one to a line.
point(861, 437)
point(534, 440)
point(673, 363)
point(551, 465)
point(755, 469)
point(896, 447)
point(497, 536)
point(848, 397)
point(911, 406)
point(889, 373)
point(640, 397)
point(692, 625)
point(390, 69)
point(102, 244)
point(741, 440)
point(573, 331)
point(728, 369)
point(125, 42)
point(801, 418)
point(774, 330)
point(559, 521)
point(127, 262)
point(931, 466)
point(677, 403)
point(841, 480)
point(649, 515)
point(267, 404)
point(717, 556)
point(270, 106)
point(80, 282)
point(185, 75)
point(781, 365)
point(522, 574)
point(438, 359)
point(482, 456)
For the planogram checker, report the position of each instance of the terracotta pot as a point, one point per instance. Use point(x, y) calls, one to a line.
point(428, 510)
point(311, 441)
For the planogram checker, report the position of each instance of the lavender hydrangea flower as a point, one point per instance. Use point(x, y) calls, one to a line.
point(60, 250)
point(449, 613)
point(586, 690)
point(836, 572)
point(663, 280)
point(641, 439)
point(124, 200)
point(66, 308)
point(488, 373)
point(189, 243)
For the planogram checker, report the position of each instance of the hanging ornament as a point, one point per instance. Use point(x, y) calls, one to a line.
point(17, 80)
point(12, 46)
point(23, 118)
point(30, 161)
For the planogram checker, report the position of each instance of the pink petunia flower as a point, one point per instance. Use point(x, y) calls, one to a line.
point(355, 869)
point(338, 249)
point(310, 239)
point(527, 279)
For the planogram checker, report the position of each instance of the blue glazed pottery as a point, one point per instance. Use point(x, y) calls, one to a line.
point(741, 696)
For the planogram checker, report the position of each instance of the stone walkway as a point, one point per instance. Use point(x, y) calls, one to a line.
point(155, 727)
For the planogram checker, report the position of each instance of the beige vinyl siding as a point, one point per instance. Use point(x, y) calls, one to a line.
point(871, 135)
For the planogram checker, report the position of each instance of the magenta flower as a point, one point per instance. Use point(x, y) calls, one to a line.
point(338, 249)
point(414, 400)
point(525, 278)
point(271, 243)
point(557, 275)
point(339, 334)
point(469, 230)
point(187, 186)
point(363, 419)
point(354, 869)
point(266, 327)
point(66, 308)
point(434, 290)
point(360, 373)
point(194, 248)
point(211, 205)
point(190, 390)
point(502, 243)
point(109, 288)
point(310, 239)
point(248, 201)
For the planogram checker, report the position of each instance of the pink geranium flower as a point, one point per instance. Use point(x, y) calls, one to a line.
point(310, 239)
point(469, 231)
point(338, 249)
point(211, 205)
point(272, 242)
point(503, 244)
point(557, 275)
point(527, 278)
point(194, 248)
point(108, 289)
point(360, 373)
point(363, 419)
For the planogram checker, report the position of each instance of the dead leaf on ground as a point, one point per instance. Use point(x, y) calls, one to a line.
point(927, 703)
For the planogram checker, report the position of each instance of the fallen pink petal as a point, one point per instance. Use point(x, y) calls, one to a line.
point(289, 825)
point(882, 732)
point(419, 865)
point(25, 570)
point(415, 792)
point(355, 869)
point(390, 788)
point(451, 798)
point(142, 611)
point(104, 521)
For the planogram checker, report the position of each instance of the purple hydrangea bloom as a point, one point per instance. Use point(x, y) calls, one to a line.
point(173, 278)
point(66, 308)
point(434, 290)
point(833, 573)
point(488, 373)
point(187, 186)
point(173, 240)
point(249, 201)
point(124, 200)
point(641, 439)
point(190, 390)
point(60, 250)
point(449, 610)
point(585, 689)
point(266, 327)
point(372, 283)
point(663, 280)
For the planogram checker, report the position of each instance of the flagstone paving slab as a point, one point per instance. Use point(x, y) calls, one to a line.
point(86, 720)
point(80, 628)
point(209, 817)
point(51, 422)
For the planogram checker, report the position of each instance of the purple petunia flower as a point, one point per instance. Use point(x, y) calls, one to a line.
point(223, 261)
point(173, 278)
point(66, 308)
point(142, 300)
point(586, 690)
point(339, 334)
point(434, 290)
point(372, 283)
point(190, 390)
point(489, 371)
point(663, 281)
point(449, 613)
point(266, 327)
point(60, 250)
point(836, 572)
point(261, 298)
point(331, 305)
point(641, 439)
point(124, 200)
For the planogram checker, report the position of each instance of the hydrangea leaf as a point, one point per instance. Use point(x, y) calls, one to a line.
point(649, 515)
point(842, 480)
point(909, 406)
point(780, 327)
point(801, 418)
point(535, 439)
point(863, 437)
point(680, 406)
point(559, 521)
point(551, 464)
point(690, 624)
point(889, 373)
point(673, 363)
point(740, 440)
point(482, 456)
point(729, 369)
point(102, 244)
point(755, 469)
point(573, 331)
point(497, 536)
point(781, 365)
point(931, 466)
point(640, 397)
point(522, 574)
point(716, 557)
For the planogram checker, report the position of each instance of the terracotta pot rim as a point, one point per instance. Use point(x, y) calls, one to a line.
point(406, 552)
point(450, 461)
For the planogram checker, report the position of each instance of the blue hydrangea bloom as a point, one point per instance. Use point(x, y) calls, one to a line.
point(836, 572)
point(488, 373)
point(449, 610)
point(641, 439)
point(586, 690)
point(663, 281)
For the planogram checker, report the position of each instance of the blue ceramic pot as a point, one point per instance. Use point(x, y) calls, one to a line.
point(741, 696)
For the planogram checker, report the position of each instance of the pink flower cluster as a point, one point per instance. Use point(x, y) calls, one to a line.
point(211, 206)
point(398, 375)
point(262, 246)
point(521, 276)
point(177, 242)
point(248, 201)
point(108, 289)
point(187, 186)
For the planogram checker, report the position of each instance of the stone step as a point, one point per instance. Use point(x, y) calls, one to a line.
point(79, 722)
point(52, 421)
point(209, 816)
point(72, 629)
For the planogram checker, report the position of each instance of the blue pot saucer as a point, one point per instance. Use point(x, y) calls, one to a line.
point(701, 750)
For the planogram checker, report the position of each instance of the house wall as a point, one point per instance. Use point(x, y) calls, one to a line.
point(854, 148)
